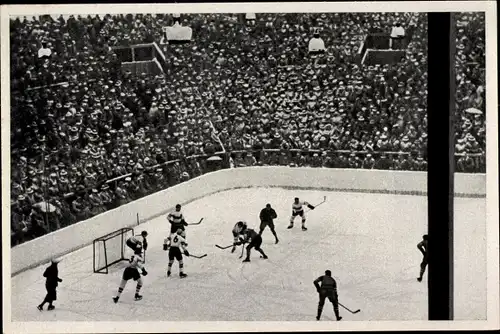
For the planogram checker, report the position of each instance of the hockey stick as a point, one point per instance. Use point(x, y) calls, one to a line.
point(223, 247)
point(198, 256)
point(324, 200)
point(353, 312)
point(198, 223)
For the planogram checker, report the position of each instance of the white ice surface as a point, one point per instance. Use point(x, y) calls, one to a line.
point(368, 241)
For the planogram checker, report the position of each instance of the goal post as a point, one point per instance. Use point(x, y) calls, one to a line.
point(110, 249)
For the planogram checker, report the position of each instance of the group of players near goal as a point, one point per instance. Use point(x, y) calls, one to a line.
point(176, 245)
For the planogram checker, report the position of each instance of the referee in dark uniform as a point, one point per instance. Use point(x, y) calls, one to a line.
point(328, 289)
point(266, 219)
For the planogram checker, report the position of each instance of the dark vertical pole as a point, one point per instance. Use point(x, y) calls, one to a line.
point(441, 163)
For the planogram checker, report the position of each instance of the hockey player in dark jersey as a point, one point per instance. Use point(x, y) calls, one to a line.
point(328, 289)
point(136, 240)
point(176, 219)
point(253, 239)
point(132, 272)
point(422, 246)
point(266, 219)
point(52, 281)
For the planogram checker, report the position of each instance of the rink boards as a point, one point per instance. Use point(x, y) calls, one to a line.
point(73, 237)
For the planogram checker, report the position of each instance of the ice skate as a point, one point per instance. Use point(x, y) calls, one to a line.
point(137, 296)
point(115, 299)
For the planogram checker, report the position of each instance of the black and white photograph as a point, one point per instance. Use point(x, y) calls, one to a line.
point(250, 167)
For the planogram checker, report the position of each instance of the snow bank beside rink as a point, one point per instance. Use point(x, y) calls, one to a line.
point(63, 241)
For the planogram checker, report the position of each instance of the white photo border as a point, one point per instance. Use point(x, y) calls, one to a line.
point(493, 309)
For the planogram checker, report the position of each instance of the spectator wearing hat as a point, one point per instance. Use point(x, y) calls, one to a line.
point(368, 162)
point(420, 164)
point(52, 280)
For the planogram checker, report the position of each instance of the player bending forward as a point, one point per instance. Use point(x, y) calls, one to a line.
point(253, 239)
point(298, 210)
point(176, 219)
point(176, 242)
point(328, 289)
point(132, 272)
point(422, 246)
point(138, 240)
point(237, 229)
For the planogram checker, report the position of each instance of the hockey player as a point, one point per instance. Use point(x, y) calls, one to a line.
point(422, 246)
point(328, 289)
point(266, 219)
point(136, 240)
point(177, 245)
point(253, 239)
point(132, 272)
point(176, 219)
point(237, 229)
point(298, 210)
point(52, 281)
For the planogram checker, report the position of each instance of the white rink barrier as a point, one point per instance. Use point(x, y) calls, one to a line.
point(70, 238)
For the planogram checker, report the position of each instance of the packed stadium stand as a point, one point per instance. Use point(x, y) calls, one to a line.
point(103, 113)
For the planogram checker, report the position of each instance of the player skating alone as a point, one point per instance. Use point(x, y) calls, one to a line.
point(138, 240)
point(52, 281)
point(328, 289)
point(237, 229)
point(422, 246)
point(266, 219)
point(298, 210)
point(132, 272)
point(176, 219)
point(253, 239)
point(176, 245)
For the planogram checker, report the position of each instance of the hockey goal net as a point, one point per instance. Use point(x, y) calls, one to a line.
point(110, 249)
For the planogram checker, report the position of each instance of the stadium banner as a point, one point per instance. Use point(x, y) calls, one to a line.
point(177, 34)
point(316, 45)
point(73, 237)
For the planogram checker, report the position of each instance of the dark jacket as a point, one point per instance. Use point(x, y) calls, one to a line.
point(267, 215)
point(51, 274)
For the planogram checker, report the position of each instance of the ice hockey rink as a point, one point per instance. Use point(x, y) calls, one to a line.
point(368, 241)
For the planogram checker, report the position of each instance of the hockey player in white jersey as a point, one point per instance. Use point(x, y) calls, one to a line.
point(176, 245)
point(132, 272)
point(237, 229)
point(136, 240)
point(298, 210)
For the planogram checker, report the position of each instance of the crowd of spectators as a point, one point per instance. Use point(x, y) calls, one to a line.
point(241, 86)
